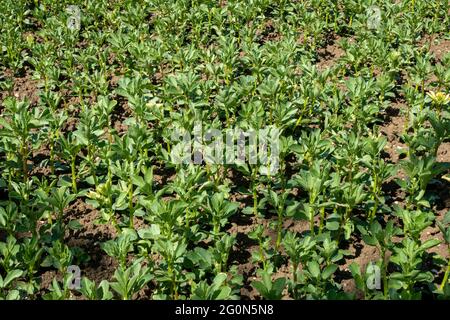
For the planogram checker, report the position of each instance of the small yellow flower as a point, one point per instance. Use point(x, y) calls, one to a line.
point(98, 194)
point(446, 177)
point(439, 98)
point(395, 55)
point(29, 39)
point(93, 195)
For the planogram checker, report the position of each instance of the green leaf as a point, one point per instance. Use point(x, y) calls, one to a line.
point(64, 181)
point(13, 295)
point(201, 256)
point(130, 233)
point(291, 209)
point(296, 148)
point(447, 218)
point(48, 262)
point(314, 268)
point(332, 225)
point(395, 283)
point(401, 183)
point(370, 240)
point(220, 279)
point(328, 271)
point(14, 274)
point(429, 244)
point(356, 273)
point(424, 203)
point(278, 287)
point(259, 286)
point(375, 228)
point(75, 225)
point(247, 210)
point(348, 229)
point(224, 293)
point(150, 233)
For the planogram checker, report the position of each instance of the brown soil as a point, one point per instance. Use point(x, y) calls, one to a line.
point(100, 266)
point(267, 32)
point(361, 254)
point(440, 48)
point(89, 238)
point(393, 129)
point(443, 154)
point(329, 55)
point(24, 87)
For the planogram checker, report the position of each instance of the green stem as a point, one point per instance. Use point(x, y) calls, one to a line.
point(130, 203)
point(52, 155)
point(279, 228)
point(446, 275)
point(322, 219)
point(24, 162)
point(311, 222)
point(384, 268)
point(255, 194)
point(188, 219)
point(374, 211)
point(174, 289)
point(300, 118)
point(261, 253)
point(216, 229)
point(10, 179)
point(343, 222)
point(94, 176)
point(294, 275)
point(375, 191)
point(74, 176)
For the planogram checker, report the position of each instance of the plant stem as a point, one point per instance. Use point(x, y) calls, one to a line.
point(52, 155)
point(130, 203)
point(384, 268)
point(446, 275)
point(174, 289)
point(261, 253)
point(24, 162)
point(74, 175)
point(343, 222)
point(375, 190)
point(374, 211)
point(92, 164)
point(279, 228)
point(216, 229)
point(322, 219)
point(294, 275)
point(445, 280)
point(311, 222)
point(255, 194)
point(10, 179)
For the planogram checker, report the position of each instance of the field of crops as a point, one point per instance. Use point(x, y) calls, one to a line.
point(348, 196)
